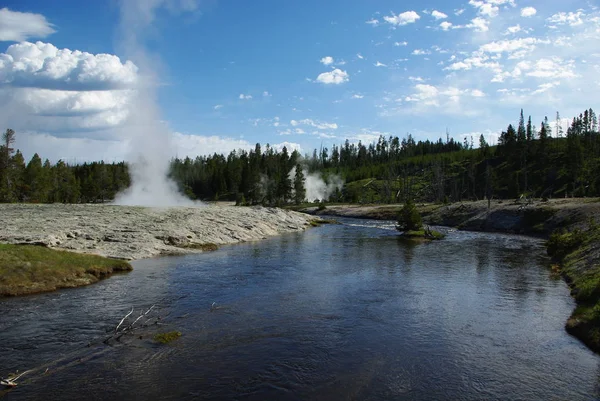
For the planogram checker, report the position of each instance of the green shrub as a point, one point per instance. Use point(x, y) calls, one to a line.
point(561, 244)
point(409, 218)
point(165, 338)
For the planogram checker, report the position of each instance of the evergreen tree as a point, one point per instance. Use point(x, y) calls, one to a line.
point(409, 218)
point(6, 150)
point(299, 188)
point(35, 178)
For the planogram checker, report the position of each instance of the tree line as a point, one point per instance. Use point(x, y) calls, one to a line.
point(527, 161)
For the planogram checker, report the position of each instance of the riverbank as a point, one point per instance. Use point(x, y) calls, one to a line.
point(578, 259)
point(27, 269)
point(535, 218)
point(129, 232)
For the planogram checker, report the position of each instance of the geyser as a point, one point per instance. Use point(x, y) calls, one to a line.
point(148, 137)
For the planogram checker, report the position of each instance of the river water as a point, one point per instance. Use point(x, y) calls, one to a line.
point(344, 311)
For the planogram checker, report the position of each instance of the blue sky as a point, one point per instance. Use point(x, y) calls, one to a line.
point(300, 73)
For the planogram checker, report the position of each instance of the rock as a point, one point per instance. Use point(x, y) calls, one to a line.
point(132, 232)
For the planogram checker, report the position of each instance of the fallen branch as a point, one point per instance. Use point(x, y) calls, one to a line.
point(11, 381)
point(122, 320)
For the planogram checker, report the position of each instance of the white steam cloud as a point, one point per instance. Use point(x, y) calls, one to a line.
point(147, 136)
point(316, 187)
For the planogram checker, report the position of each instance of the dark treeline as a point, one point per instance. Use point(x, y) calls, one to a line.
point(544, 162)
point(43, 182)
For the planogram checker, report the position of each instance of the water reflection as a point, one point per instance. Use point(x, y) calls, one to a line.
point(338, 312)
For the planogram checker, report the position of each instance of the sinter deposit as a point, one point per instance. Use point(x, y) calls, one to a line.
point(133, 232)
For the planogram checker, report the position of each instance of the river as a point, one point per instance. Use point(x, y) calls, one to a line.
point(345, 311)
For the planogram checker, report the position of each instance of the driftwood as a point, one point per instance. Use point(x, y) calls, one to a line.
point(11, 381)
point(123, 329)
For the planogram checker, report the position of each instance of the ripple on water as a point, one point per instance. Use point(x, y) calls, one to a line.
point(338, 312)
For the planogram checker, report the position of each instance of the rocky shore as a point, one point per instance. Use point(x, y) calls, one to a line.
point(131, 232)
point(518, 217)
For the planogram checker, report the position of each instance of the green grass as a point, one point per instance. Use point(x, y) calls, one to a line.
point(579, 256)
point(320, 222)
point(28, 269)
point(206, 247)
point(165, 338)
point(432, 234)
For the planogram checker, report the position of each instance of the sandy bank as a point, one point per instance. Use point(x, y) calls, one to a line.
point(129, 232)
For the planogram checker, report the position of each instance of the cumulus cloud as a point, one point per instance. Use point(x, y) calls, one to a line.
point(244, 97)
point(373, 22)
point(327, 60)
point(445, 25)
point(42, 65)
point(570, 18)
point(64, 92)
point(17, 26)
point(528, 12)
point(357, 96)
point(407, 17)
point(334, 77)
point(378, 64)
point(398, 44)
point(509, 46)
point(479, 24)
point(438, 15)
point(79, 150)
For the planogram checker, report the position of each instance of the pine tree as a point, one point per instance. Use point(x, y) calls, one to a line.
point(521, 132)
point(6, 186)
point(36, 181)
point(409, 218)
point(299, 187)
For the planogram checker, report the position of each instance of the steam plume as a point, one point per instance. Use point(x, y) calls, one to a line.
point(316, 187)
point(148, 137)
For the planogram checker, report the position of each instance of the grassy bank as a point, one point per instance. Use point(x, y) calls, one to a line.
point(28, 269)
point(579, 255)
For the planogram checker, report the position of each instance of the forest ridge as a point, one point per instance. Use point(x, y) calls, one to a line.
point(525, 162)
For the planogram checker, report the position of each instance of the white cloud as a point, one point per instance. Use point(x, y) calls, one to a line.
point(79, 150)
point(357, 96)
point(18, 27)
point(218, 106)
point(459, 11)
point(438, 15)
point(479, 24)
point(290, 146)
point(334, 77)
point(42, 65)
point(445, 25)
point(545, 87)
point(360, 56)
point(244, 97)
point(509, 46)
point(65, 92)
point(398, 44)
point(513, 29)
point(407, 17)
point(552, 68)
point(327, 60)
point(570, 18)
point(420, 52)
point(373, 22)
point(266, 94)
point(378, 64)
point(416, 79)
point(477, 93)
point(528, 12)
point(313, 123)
